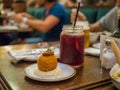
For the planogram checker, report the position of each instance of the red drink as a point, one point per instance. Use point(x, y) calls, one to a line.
point(72, 48)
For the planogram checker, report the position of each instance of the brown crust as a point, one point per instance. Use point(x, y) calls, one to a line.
point(48, 53)
point(47, 61)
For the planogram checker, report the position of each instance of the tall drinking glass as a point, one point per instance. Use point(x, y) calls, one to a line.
point(87, 37)
point(72, 46)
point(86, 29)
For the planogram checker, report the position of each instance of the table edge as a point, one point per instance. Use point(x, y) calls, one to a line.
point(4, 83)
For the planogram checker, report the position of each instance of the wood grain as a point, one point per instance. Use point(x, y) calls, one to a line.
point(14, 74)
point(19, 30)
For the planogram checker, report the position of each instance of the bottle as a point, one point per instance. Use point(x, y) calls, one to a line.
point(116, 33)
point(108, 57)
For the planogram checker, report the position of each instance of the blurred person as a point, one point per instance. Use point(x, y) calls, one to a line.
point(108, 22)
point(51, 25)
point(105, 2)
point(19, 6)
point(71, 3)
point(91, 2)
point(32, 4)
point(110, 2)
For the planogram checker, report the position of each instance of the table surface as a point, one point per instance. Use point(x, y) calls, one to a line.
point(16, 30)
point(90, 76)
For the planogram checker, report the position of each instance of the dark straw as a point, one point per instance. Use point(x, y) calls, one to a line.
point(76, 15)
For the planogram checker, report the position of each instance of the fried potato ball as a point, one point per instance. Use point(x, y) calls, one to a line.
point(47, 61)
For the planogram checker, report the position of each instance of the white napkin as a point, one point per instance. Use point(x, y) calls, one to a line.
point(29, 55)
point(96, 45)
point(92, 51)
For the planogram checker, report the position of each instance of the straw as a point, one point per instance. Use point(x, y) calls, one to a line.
point(77, 13)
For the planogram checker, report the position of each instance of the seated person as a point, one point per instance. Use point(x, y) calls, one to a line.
point(19, 6)
point(107, 22)
point(51, 25)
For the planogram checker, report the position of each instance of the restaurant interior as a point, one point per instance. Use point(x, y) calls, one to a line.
point(60, 44)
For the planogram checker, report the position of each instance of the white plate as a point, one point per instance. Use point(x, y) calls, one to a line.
point(67, 72)
point(116, 82)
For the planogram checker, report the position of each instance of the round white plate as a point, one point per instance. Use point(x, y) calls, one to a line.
point(67, 72)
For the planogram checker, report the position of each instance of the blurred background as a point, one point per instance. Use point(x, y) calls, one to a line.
point(8, 3)
point(92, 9)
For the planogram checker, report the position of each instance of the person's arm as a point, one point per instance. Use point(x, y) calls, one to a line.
point(27, 15)
point(40, 25)
point(44, 26)
point(107, 22)
point(96, 27)
point(81, 16)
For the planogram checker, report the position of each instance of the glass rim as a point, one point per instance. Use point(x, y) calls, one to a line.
point(70, 28)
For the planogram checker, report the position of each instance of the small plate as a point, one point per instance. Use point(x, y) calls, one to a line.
point(67, 72)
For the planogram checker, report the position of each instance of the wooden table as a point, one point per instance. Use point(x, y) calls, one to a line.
point(90, 76)
point(16, 30)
